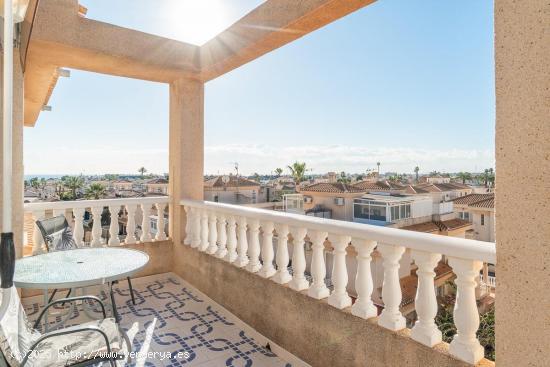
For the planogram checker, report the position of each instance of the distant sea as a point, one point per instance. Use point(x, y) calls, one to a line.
point(28, 177)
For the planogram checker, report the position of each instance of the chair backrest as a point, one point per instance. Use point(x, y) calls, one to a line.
point(16, 333)
point(57, 234)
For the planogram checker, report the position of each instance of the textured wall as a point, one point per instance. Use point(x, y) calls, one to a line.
point(522, 56)
point(312, 330)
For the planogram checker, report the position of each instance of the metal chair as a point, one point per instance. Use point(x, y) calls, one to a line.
point(58, 236)
point(82, 345)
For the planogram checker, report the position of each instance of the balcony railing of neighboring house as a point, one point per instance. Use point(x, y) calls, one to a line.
point(491, 281)
point(244, 237)
point(75, 212)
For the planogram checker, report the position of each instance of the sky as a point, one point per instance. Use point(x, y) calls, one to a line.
point(404, 83)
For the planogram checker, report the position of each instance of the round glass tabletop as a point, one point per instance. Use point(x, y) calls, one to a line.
point(78, 268)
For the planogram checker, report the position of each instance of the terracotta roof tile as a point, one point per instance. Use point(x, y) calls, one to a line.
point(233, 182)
point(379, 185)
point(333, 187)
point(477, 200)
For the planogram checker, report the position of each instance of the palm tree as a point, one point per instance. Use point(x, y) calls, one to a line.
point(378, 164)
point(464, 176)
point(278, 171)
point(416, 170)
point(35, 183)
point(344, 178)
point(142, 170)
point(95, 191)
point(74, 183)
point(298, 171)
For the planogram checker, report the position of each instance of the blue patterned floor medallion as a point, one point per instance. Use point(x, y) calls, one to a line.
point(180, 325)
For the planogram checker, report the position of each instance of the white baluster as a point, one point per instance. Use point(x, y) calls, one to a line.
point(113, 227)
point(188, 224)
point(212, 233)
point(204, 230)
point(131, 224)
point(96, 228)
point(222, 237)
point(391, 318)
point(57, 212)
point(363, 306)
point(196, 227)
point(339, 297)
point(231, 240)
point(78, 231)
point(37, 239)
point(282, 276)
point(425, 330)
point(267, 270)
point(254, 264)
point(146, 223)
point(465, 345)
point(299, 281)
point(242, 244)
point(161, 235)
point(318, 288)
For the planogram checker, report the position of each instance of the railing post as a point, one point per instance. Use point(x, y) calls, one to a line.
point(222, 236)
point(282, 276)
point(339, 297)
point(113, 227)
point(131, 224)
point(363, 306)
point(391, 318)
point(267, 270)
point(204, 230)
point(425, 330)
point(37, 240)
point(318, 288)
point(96, 228)
point(146, 223)
point(242, 244)
point(299, 281)
point(78, 231)
point(195, 227)
point(254, 264)
point(465, 345)
point(231, 255)
point(161, 235)
point(213, 233)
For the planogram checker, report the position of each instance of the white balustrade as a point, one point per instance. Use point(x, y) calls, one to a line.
point(242, 244)
point(222, 237)
point(146, 223)
point(318, 288)
point(254, 264)
point(231, 240)
point(188, 224)
point(282, 276)
point(212, 234)
point(465, 345)
point(363, 306)
point(237, 233)
point(76, 211)
point(425, 330)
point(391, 318)
point(267, 270)
point(339, 297)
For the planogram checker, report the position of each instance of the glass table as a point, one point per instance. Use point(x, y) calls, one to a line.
point(78, 268)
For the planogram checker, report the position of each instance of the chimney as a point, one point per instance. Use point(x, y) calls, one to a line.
point(332, 177)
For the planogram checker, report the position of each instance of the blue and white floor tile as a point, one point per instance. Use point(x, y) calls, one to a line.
point(173, 324)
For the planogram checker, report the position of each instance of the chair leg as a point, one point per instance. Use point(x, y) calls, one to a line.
point(67, 296)
point(52, 296)
point(131, 291)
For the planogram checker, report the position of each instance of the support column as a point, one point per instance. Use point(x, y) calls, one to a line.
point(17, 153)
point(522, 57)
point(186, 150)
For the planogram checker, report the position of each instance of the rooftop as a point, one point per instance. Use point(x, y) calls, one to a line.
point(477, 200)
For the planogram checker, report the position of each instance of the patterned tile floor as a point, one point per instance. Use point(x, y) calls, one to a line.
point(173, 324)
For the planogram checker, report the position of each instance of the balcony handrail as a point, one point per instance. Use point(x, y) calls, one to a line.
point(449, 246)
point(89, 203)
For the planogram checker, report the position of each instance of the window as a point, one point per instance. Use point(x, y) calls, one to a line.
point(464, 215)
point(482, 219)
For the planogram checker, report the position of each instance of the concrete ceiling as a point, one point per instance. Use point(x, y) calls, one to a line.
point(62, 38)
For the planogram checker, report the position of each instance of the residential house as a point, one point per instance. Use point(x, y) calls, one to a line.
point(479, 209)
point(231, 190)
point(157, 186)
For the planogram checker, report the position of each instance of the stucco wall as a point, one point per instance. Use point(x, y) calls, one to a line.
point(312, 330)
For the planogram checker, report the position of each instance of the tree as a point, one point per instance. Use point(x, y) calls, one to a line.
point(278, 171)
point(464, 176)
point(74, 183)
point(35, 183)
point(416, 170)
point(298, 172)
point(95, 191)
point(344, 178)
point(256, 177)
point(378, 164)
point(142, 170)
